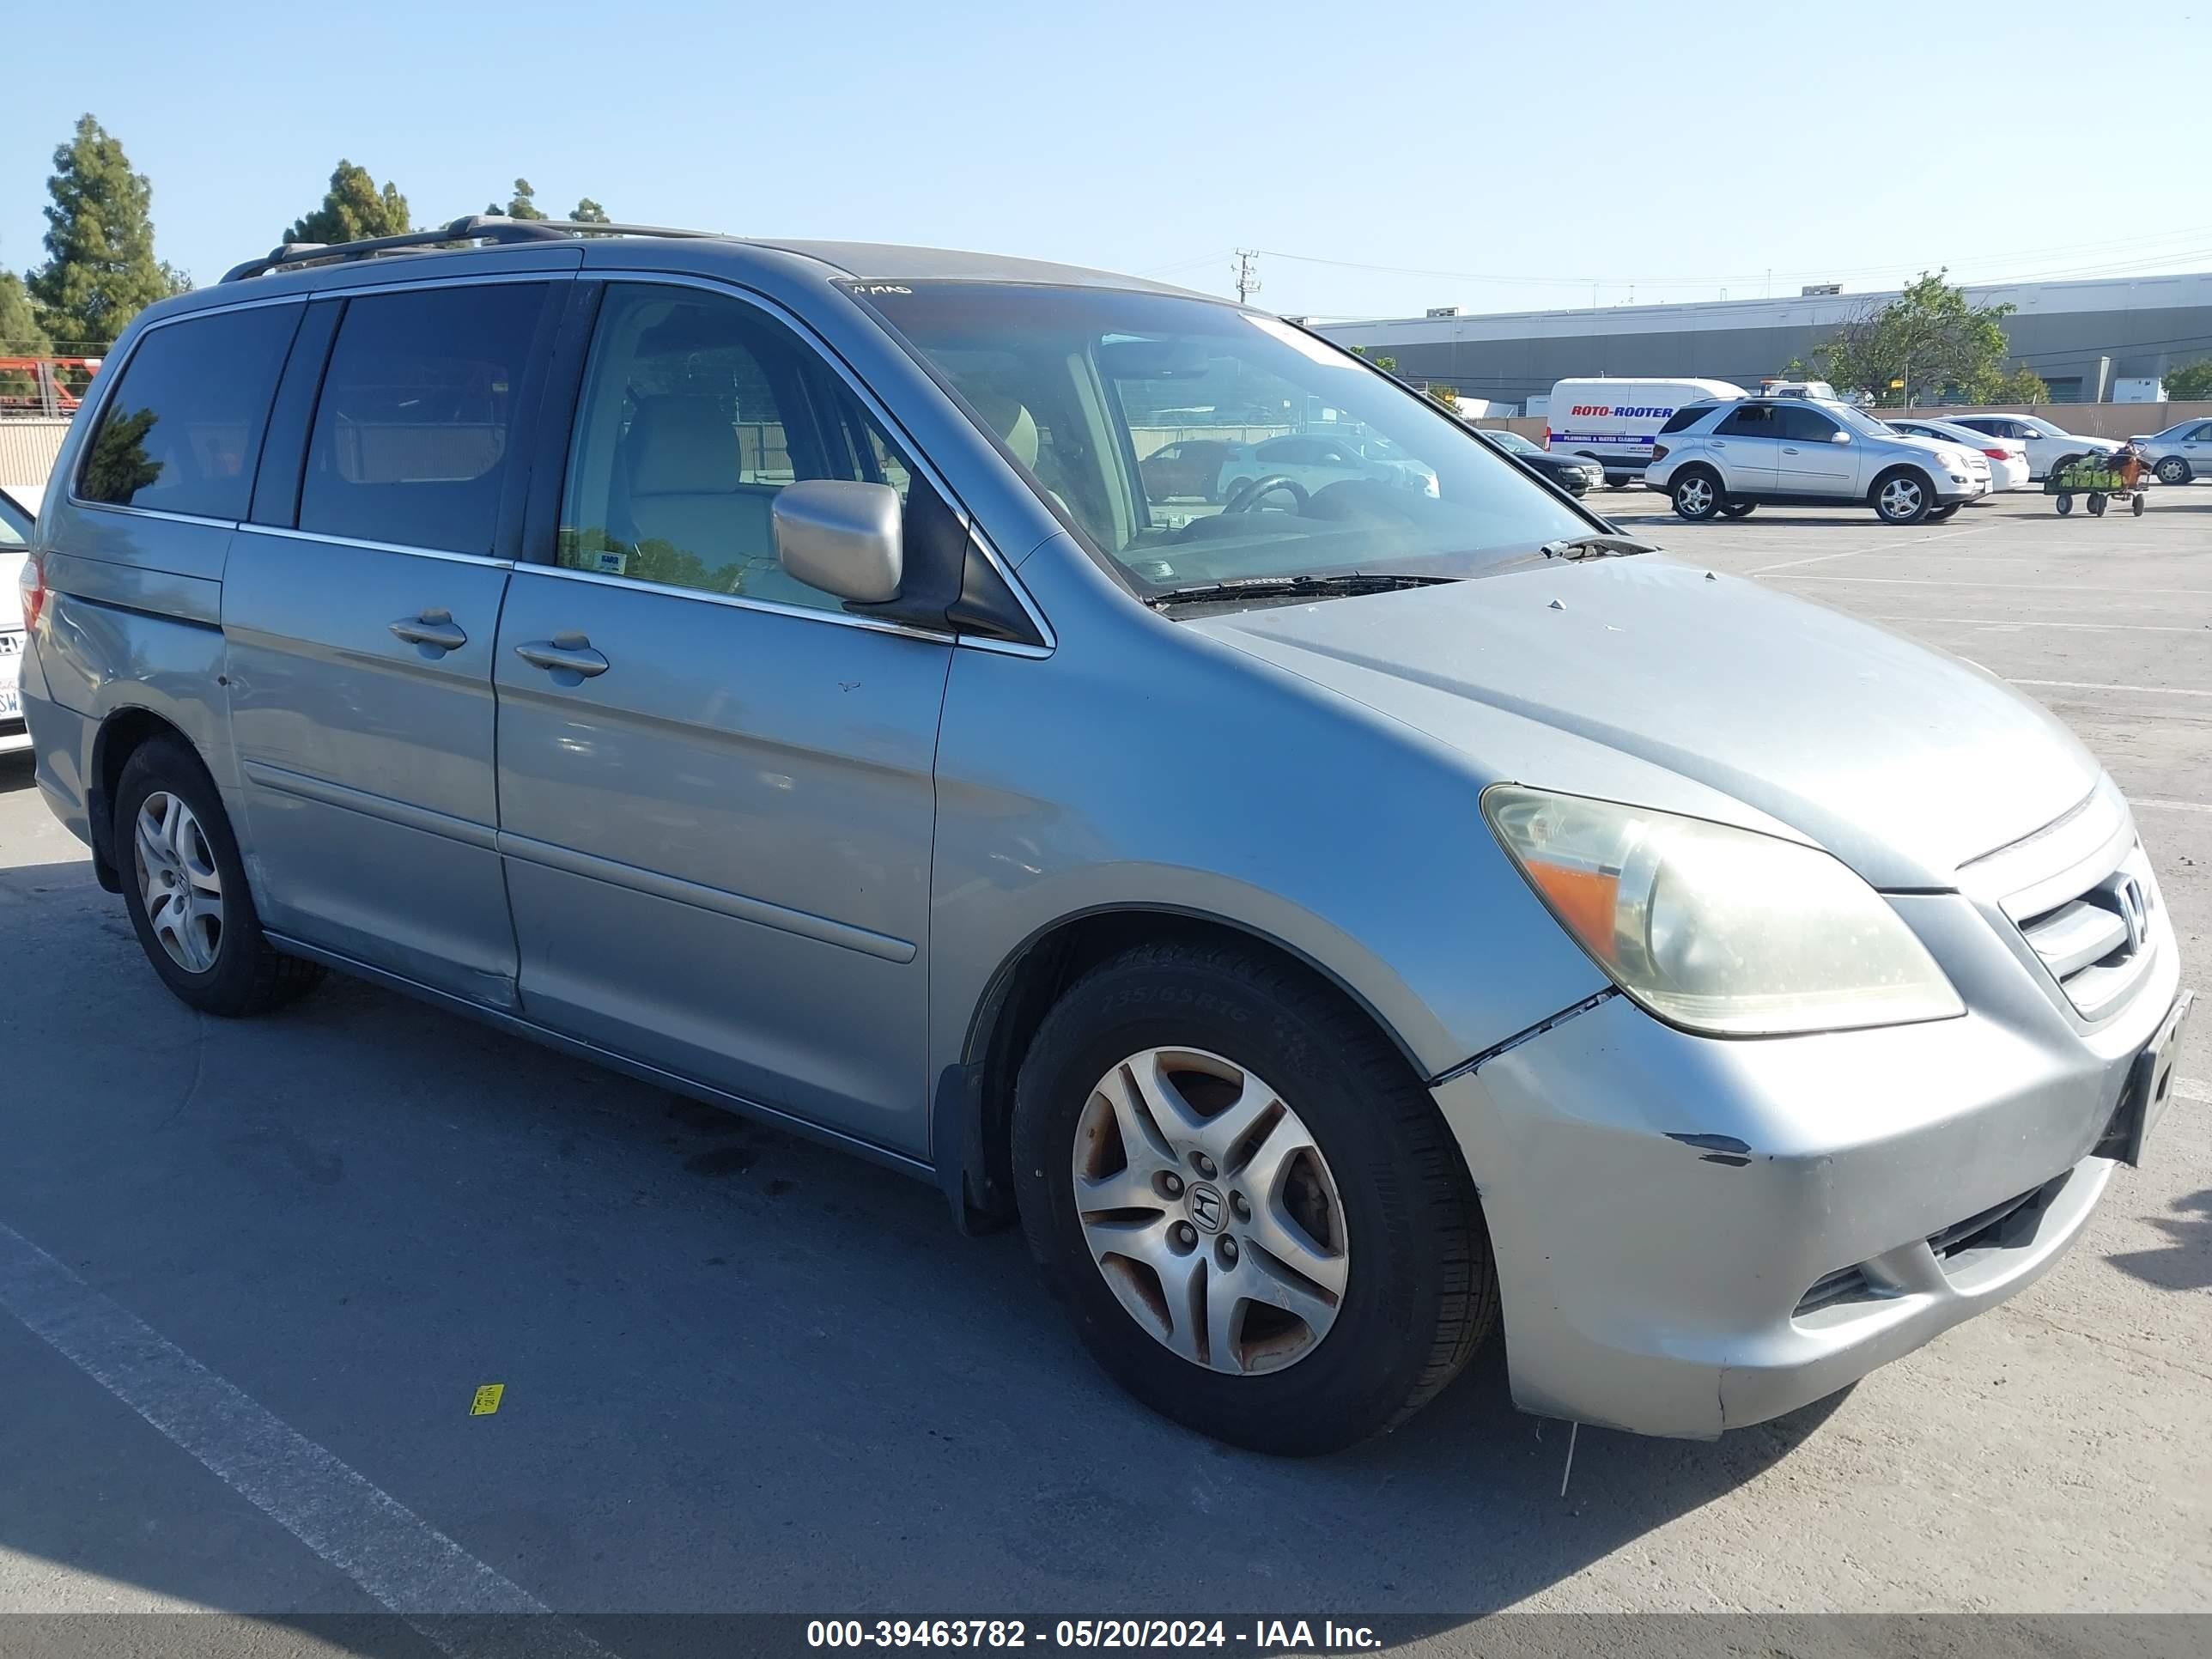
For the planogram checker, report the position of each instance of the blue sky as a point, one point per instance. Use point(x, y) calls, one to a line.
point(1497, 157)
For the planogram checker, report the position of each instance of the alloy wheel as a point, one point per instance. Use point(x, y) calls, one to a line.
point(1900, 498)
point(1210, 1211)
point(178, 881)
point(1694, 498)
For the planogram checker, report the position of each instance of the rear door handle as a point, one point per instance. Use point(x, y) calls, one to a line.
point(434, 631)
point(1787, 450)
point(564, 654)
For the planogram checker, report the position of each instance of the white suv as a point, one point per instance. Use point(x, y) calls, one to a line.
point(1724, 458)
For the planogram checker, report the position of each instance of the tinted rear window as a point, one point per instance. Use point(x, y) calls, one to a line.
point(411, 441)
point(1752, 420)
point(182, 432)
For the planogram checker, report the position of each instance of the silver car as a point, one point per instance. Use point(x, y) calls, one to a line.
point(1725, 459)
point(2181, 453)
point(1339, 929)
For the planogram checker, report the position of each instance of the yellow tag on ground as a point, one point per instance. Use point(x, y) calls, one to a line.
point(487, 1399)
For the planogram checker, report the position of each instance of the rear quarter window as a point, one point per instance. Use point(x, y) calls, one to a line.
point(1688, 416)
point(181, 432)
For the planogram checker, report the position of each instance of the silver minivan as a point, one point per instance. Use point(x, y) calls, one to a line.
point(1334, 922)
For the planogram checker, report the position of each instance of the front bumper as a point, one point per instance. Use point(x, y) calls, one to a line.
point(1693, 1234)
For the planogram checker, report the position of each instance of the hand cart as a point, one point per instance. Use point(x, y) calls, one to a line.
point(2102, 478)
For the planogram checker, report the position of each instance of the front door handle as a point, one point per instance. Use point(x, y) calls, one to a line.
point(434, 631)
point(564, 654)
point(1787, 450)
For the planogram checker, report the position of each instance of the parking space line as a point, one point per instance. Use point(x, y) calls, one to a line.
point(2099, 685)
point(1887, 543)
point(2018, 622)
point(2005, 587)
point(402, 1560)
point(2171, 805)
point(2190, 1089)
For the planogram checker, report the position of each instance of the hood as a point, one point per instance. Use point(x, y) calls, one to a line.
point(1902, 761)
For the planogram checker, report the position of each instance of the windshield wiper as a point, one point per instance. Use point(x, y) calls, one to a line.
point(1343, 584)
point(1596, 547)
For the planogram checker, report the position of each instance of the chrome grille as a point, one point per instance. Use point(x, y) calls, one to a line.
point(2097, 943)
point(2080, 891)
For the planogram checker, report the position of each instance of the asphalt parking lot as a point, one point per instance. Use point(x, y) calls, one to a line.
point(744, 1374)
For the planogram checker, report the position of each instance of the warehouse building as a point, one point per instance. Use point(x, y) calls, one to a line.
point(2084, 339)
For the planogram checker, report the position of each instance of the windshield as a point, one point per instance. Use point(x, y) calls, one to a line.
point(1189, 442)
point(1864, 424)
point(15, 526)
point(1515, 442)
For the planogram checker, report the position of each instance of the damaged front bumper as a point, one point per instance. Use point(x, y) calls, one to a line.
point(1692, 1233)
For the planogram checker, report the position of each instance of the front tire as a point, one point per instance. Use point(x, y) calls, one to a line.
point(1904, 496)
point(1245, 1201)
point(1697, 494)
point(2174, 470)
point(184, 885)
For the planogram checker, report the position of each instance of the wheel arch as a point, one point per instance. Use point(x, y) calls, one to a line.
point(124, 732)
point(1927, 481)
point(971, 1113)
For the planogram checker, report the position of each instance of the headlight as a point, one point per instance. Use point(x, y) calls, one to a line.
point(1719, 930)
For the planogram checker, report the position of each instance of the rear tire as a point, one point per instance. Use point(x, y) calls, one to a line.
point(1738, 509)
point(2065, 505)
point(1902, 496)
point(2174, 470)
point(1410, 1250)
point(1936, 515)
point(1696, 494)
point(2137, 508)
point(185, 886)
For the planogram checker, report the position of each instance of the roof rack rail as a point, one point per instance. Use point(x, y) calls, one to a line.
point(491, 227)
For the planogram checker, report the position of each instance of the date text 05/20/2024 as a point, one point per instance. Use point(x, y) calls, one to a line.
point(1256, 1635)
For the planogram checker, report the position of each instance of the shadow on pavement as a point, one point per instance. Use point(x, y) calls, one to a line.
point(2185, 1262)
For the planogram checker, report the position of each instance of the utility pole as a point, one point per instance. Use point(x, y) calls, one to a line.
point(1248, 280)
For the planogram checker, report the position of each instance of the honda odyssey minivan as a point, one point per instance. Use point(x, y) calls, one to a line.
point(1339, 925)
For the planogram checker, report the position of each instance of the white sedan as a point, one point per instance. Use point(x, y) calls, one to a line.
point(18, 511)
point(2007, 457)
point(2048, 445)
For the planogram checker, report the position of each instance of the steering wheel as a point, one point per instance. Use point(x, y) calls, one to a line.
point(1247, 494)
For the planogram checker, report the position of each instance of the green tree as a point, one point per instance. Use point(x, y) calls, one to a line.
point(523, 205)
point(1446, 395)
point(101, 270)
point(2187, 384)
point(20, 335)
point(353, 210)
point(1926, 342)
point(2020, 386)
point(1387, 365)
point(589, 212)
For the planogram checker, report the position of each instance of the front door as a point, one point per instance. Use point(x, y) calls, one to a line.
point(359, 625)
point(716, 788)
point(1811, 462)
point(1749, 445)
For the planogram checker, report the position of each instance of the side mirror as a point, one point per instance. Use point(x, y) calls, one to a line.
point(842, 537)
point(1839, 436)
